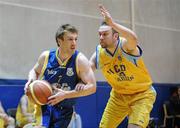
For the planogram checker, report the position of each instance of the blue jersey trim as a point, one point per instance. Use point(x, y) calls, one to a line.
point(97, 58)
point(112, 54)
point(132, 58)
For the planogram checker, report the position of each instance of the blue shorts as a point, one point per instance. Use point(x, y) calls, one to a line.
point(56, 116)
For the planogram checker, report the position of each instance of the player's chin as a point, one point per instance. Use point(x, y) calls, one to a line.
point(73, 50)
point(103, 46)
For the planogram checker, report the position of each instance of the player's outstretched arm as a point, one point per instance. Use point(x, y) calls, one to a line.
point(131, 38)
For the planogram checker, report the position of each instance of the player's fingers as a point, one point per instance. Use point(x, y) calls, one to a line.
point(100, 6)
point(82, 87)
point(51, 101)
point(55, 89)
point(51, 97)
point(103, 9)
point(79, 88)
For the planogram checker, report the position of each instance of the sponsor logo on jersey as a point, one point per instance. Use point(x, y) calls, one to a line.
point(51, 72)
point(120, 70)
point(69, 72)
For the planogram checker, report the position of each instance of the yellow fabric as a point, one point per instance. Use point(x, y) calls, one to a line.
point(45, 64)
point(20, 118)
point(138, 106)
point(38, 115)
point(132, 94)
point(124, 76)
point(1, 123)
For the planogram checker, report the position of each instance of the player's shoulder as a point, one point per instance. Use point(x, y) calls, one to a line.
point(45, 53)
point(122, 40)
point(43, 56)
point(81, 57)
point(98, 47)
point(82, 61)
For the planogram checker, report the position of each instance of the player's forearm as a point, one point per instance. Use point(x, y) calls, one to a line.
point(32, 75)
point(124, 31)
point(87, 90)
point(24, 110)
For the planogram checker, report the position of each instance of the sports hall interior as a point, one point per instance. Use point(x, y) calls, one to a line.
point(27, 27)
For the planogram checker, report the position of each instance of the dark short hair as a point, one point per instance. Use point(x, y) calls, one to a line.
point(103, 23)
point(63, 29)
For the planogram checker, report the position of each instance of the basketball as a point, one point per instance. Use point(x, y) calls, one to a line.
point(39, 91)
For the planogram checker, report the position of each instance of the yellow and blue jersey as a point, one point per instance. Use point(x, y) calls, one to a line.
point(126, 73)
point(61, 74)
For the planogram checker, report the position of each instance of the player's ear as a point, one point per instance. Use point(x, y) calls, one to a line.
point(58, 41)
point(116, 35)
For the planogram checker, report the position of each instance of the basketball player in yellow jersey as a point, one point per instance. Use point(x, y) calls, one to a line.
point(26, 112)
point(121, 63)
point(5, 120)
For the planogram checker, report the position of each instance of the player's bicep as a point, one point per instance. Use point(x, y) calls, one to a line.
point(85, 71)
point(92, 61)
point(128, 47)
point(39, 64)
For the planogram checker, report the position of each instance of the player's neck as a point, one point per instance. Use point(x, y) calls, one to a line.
point(63, 56)
point(113, 47)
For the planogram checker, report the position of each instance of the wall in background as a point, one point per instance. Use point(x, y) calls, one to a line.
point(28, 27)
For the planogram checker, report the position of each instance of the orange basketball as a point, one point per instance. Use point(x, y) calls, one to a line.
point(39, 91)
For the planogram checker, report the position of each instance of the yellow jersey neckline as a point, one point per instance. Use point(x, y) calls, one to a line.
point(115, 51)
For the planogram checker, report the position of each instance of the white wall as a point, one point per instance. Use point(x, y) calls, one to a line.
point(27, 27)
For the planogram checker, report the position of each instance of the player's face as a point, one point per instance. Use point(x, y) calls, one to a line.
point(69, 43)
point(106, 37)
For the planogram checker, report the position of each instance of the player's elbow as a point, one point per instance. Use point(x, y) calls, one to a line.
point(93, 67)
point(93, 88)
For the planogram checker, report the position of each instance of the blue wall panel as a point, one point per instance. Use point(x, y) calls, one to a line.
point(90, 107)
point(10, 95)
point(86, 107)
